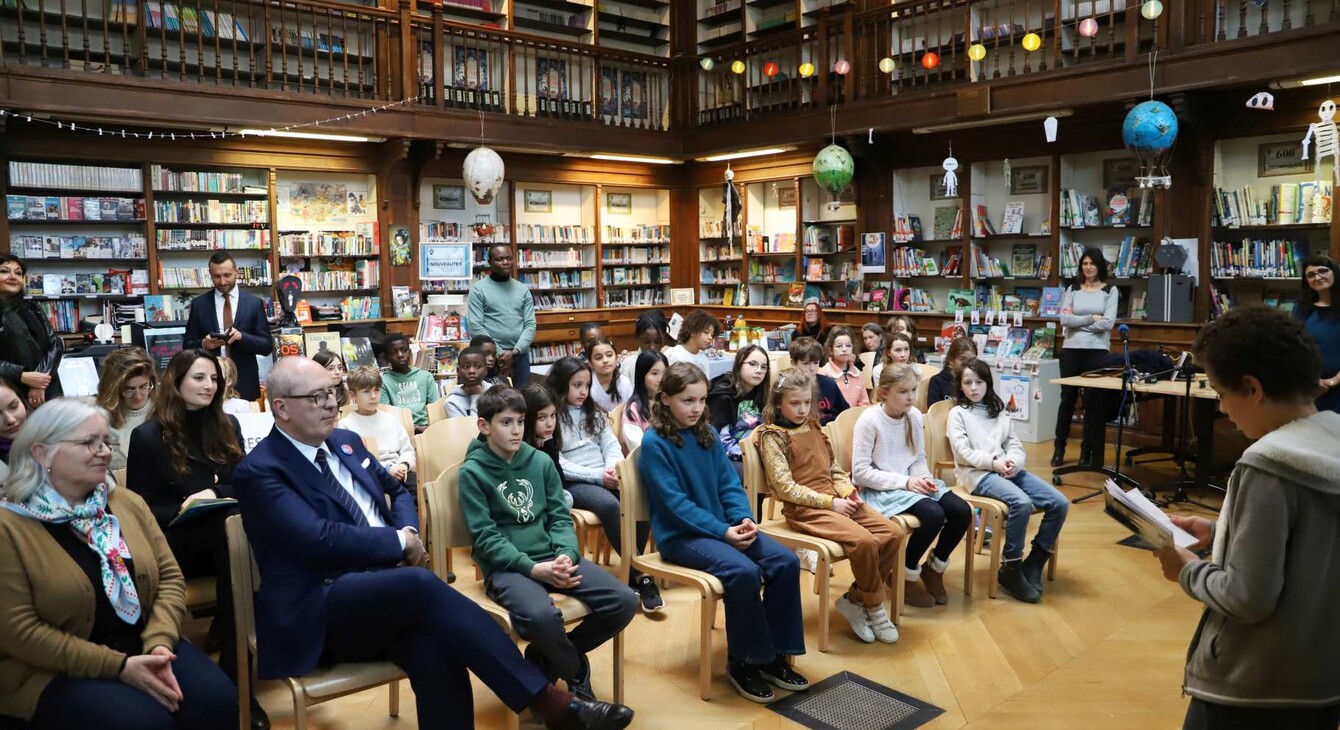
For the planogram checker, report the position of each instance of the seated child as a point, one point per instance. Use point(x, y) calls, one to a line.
point(888, 463)
point(470, 368)
point(701, 517)
point(841, 367)
point(735, 400)
point(990, 460)
point(696, 334)
point(820, 500)
point(897, 351)
point(943, 384)
point(491, 376)
point(808, 355)
point(233, 402)
point(394, 449)
point(525, 544)
point(648, 370)
point(406, 386)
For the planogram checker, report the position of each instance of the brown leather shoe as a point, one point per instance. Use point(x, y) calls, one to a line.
point(915, 594)
point(935, 583)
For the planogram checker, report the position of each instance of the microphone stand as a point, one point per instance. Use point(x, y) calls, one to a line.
point(1184, 423)
point(1115, 472)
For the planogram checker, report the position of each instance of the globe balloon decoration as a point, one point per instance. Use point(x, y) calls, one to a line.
point(483, 173)
point(833, 170)
point(1150, 131)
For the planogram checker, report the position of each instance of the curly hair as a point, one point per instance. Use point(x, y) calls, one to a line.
point(218, 440)
point(1230, 347)
point(698, 321)
point(677, 378)
point(118, 368)
point(560, 375)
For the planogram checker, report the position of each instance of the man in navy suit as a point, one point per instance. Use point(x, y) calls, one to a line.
point(238, 316)
point(342, 577)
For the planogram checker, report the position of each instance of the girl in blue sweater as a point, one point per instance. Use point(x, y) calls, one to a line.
point(701, 517)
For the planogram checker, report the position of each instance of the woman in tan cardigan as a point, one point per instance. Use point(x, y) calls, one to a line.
point(92, 597)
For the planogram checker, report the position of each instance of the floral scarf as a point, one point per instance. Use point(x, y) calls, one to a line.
point(100, 530)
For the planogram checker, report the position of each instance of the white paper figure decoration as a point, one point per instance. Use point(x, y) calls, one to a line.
point(1009, 174)
point(1049, 128)
point(1325, 134)
point(951, 180)
point(483, 173)
point(1262, 101)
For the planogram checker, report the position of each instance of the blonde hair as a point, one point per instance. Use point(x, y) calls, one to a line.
point(229, 378)
point(788, 380)
point(893, 376)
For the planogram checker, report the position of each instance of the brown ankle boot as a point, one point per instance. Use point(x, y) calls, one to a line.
point(915, 594)
point(935, 583)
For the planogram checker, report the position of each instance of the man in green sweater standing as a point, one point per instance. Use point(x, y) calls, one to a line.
point(502, 308)
point(525, 544)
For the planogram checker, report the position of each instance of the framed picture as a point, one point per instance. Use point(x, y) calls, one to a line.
point(1029, 180)
point(470, 68)
point(619, 203)
point(444, 261)
point(633, 95)
point(551, 78)
point(938, 191)
point(539, 201)
point(1274, 159)
point(1120, 173)
point(449, 197)
point(786, 197)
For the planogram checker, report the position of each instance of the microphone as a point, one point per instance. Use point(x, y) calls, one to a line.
point(1124, 331)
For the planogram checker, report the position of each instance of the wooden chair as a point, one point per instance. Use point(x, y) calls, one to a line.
point(829, 552)
point(868, 372)
point(616, 423)
point(940, 455)
point(449, 531)
point(633, 509)
point(437, 411)
point(406, 418)
point(923, 393)
point(326, 682)
point(440, 445)
point(201, 592)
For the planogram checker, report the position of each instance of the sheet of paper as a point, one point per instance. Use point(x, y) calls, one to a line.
point(1147, 512)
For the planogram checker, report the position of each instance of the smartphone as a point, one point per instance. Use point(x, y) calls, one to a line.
point(219, 335)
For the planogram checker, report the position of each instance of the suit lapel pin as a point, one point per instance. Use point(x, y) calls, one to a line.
point(347, 449)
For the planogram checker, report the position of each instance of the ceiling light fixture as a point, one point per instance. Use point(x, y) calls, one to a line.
point(744, 153)
point(994, 121)
point(307, 135)
point(635, 158)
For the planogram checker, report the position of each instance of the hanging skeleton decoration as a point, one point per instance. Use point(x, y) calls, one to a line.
point(951, 180)
point(1325, 134)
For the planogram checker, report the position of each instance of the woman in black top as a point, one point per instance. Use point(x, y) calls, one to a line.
point(187, 452)
point(30, 351)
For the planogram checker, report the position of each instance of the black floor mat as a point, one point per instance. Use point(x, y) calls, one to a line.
point(847, 701)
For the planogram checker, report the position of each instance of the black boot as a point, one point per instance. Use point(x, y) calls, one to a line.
point(1033, 566)
point(1011, 578)
point(1058, 456)
point(1086, 455)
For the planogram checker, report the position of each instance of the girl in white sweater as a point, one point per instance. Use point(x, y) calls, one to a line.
point(990, 459)
point(888, 463)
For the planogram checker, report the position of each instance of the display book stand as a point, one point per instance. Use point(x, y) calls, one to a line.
point(1040, 423)
point(442, 334)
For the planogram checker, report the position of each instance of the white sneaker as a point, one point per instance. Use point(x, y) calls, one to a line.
point(881, 626)
point(809, 560)
point(857, 617)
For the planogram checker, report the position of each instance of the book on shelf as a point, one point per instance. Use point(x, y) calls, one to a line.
point(1015, 344)
point(1030, 299)
point(1051, 302)
point(1257, 258)
point(981, 221)
point(995, 336)
point(960, 300)
point(949, 331)
point(1286, 203)
point(946, 223)
point(289, 342)
point(1044, 344)
point(86, 177)
point(1012, 222)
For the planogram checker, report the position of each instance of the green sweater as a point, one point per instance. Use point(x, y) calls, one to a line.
point(515, 510)
point(504, 311)
point(413, 390)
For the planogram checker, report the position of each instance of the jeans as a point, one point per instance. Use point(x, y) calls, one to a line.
point(758, 630)
point(521, 369)
point(1021, 493)
point(612, 605)
point(605, 504)
point(948, 517)
point(1202, 715)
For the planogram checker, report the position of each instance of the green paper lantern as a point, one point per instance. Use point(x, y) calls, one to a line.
point(833, 169)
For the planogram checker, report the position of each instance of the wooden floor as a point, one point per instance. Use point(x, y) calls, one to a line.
point(1104, 649)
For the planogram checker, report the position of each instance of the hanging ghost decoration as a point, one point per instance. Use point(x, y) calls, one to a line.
point(483, 174)
point(951, 179)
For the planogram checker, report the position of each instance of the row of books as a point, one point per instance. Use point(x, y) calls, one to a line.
point(181, 19)
point(327, 243)
point(634, 255)
point(80, 177)
point(728, 296)
point(195, 277)
point(536, 258)
point(548, 302)
point(641, 275)
point(1025, 263)
point(450, 326)
point(536, 233)
point(635, 298)
point(1119, 207)
point(183, 239)
point(825, 239)
point(720, 275)
point(114, 282)
point(453, 231)
point(211, 211)
point(1132, 257)
point(305, 38)
point(1257, 259)
point(772, 272)
point(559, 279)
point(360, 307)
point(888, 298)
point(818, 269)
point(711, 229)
point(1001, 341)
point(132, 246)
point(69, 208)
point(638, 234)
point(756, 242)
point(325, 275)
point(719, 251)
point(63, 314)
point(164, 308)
point(356, 352)
point(1287, 203)
point(983, 265)
point(543, 354)
point(201, 182)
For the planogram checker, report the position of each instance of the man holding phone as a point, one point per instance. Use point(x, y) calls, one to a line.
point(231, 323)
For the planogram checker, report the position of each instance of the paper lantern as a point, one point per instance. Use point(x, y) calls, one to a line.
point(841, 67)
point(737, 67)
point(886, 65)
point(930, 60)
point(770, 69)
point(977, 51)
point(483, 174)
point(1152, 9)
point(707, 63)
point(806, 70)
point(1088, 27)
point(1031, 42)
point(833, 169)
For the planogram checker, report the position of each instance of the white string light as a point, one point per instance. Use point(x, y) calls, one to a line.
point(172, 135)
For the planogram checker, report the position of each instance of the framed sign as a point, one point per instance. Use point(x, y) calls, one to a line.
point(444, 261)
point(1275, 159)
point(1120, 172)
point(449, 197)
point(539, 201)
point(1029, 180)
point(938, 187)
point(786, 196)
point(619, 203)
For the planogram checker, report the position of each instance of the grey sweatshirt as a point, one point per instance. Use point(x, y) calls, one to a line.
point(1077, 310)
point(461, 403)
point(586, 455)
point(1269, 635)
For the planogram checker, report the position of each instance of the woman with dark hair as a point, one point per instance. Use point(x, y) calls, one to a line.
point(813, 323)
point(334, 364)
point(1088, 313)
point(735, 400)
point(30, 351)
point(187, 452)
point(647, 373)
point(13, 414)
point(1318, 314)
point(126, 390)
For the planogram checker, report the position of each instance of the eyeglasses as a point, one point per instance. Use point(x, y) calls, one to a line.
point(130, 390)
point(1317, 275)
point(95, 445)
point(756, 364)
point(317, 399)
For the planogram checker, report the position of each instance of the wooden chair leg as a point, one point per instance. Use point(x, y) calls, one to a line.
point(997, 549)
point(821, 585)
point(513, 719)
point(980, 543)
point(394, 699)
point(969, 555)
point(618, 668)
point(707, 613)
point(1051, 562)
point(899, 580)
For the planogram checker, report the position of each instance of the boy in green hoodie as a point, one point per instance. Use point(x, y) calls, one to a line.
point(525, 544)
